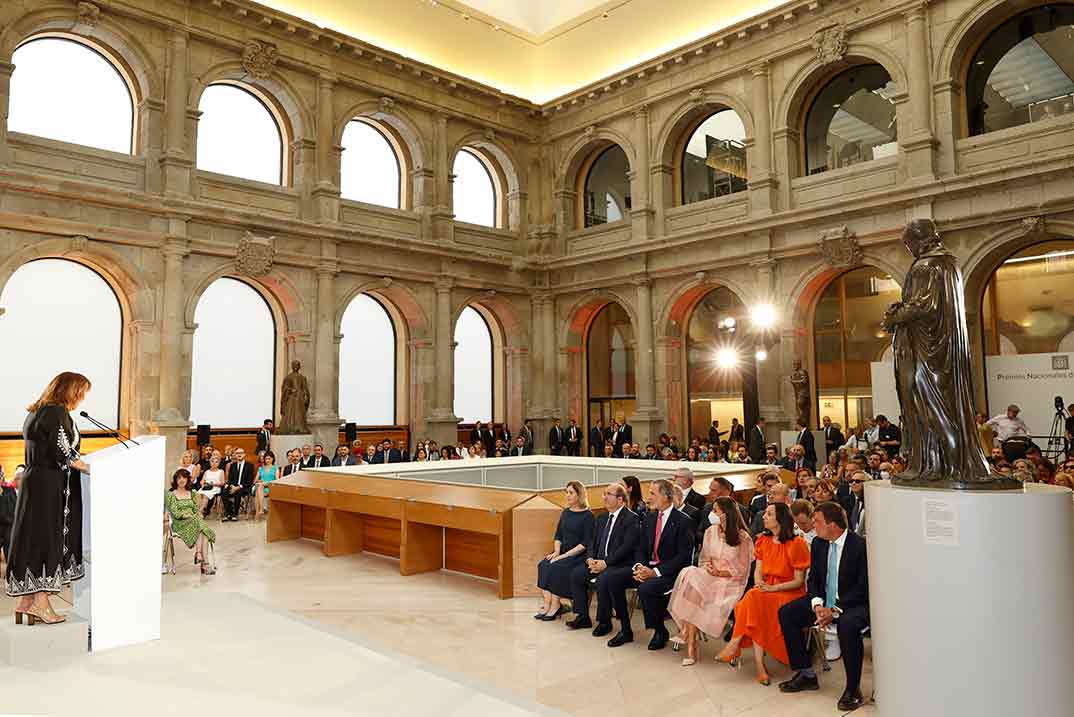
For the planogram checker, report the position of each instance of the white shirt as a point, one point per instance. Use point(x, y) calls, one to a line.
point(611, 527)
point(1007, 427)
point(808, 537)
point(840, 543)
point(872, 435)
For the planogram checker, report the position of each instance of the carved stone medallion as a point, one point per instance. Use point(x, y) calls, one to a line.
point(840, 248)
point(259, 59)
point(255, 255)
point(88, 14)
point(830, 44)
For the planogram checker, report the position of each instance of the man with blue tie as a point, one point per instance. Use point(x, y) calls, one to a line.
point(838, 593)
point(555, 438)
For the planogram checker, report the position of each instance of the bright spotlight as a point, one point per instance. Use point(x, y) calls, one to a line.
point(726, 358)
point(761, 354)
point(763, 316)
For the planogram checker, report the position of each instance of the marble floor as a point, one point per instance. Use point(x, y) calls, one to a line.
point(350, 635)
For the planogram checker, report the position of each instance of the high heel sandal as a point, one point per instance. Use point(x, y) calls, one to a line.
point(33, 617)
point(207, 569)
point(764, 679)
point(729, 660)
point(690, 661)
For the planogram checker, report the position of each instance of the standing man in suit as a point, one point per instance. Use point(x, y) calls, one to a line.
point(626, 431)
point(344, 457)
point(294, 462)
point(503, 434)
point(520, 449)
point(715, 433)
point(667, 546)
point(838, 592)
point(307, 454)
point(596, 439)
point(612, 552)
point(757, 442)
point(805, 440)
point(833, 437)
point(738, 432)
point(555, 438)
point(264, 436)
point(684, 478)
point(527, 435)
point(574, 439)
point(318, 459)
point(240, 479)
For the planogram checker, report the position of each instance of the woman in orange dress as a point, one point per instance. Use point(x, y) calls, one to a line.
point(779, 577)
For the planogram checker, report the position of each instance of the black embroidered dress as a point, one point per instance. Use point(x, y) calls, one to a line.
point(46, 539)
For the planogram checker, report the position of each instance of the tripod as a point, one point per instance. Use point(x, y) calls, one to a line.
point(1057, 437)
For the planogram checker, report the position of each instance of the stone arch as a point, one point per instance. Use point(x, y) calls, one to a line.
point(137, 311)
point(573, 335)
point(803, 294)
point(969, 31)
point(683, 299)
point(586, 145)
point(509, 340)
point(501, 161)
point(410, 146)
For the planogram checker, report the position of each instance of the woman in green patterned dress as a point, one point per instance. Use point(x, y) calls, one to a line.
point(186, 522)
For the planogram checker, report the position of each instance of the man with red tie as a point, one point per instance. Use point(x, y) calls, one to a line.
point(667, 544)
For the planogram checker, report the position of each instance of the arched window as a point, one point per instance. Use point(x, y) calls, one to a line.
point(714, 158)
point(64, 89)
point(59, 316)
point(1028, 304)
point(473, 367)
point(474, 192)
point(610, 365)
point(848, 340)
point(367, 364)
point(606, 191)
point(234, 357)
point(1024, 71)
point(715, 350)
point(239, 135)
point(852, 120)
point(369, 170)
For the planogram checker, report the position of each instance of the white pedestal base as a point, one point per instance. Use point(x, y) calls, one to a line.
point(970, 597)
point(281, 444)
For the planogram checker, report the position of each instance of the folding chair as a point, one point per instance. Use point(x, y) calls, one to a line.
point(168, 558)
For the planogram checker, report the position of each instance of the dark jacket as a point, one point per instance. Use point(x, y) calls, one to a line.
point(348, 461)
point(393, 456)
point(756, 446)
point(805, 439)
point(526, 451)
point(557, 435)
point(833, 438)
point(853, 572)
point(313, 462)
point(244, 479)
point(676, 549)
point(623, 542)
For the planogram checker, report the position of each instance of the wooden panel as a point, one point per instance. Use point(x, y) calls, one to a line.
point(247, 440)
point(533, 525)
point(479, 521)
point(472, 553)
point(422, 549)
point(343, 533)
point(366, 504)
point(505, 585)
point(312, 523)
point(284, 521)
point(382, 535)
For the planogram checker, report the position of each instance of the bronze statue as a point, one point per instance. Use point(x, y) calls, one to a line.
point(294, 402)
point(799, 379)
point(933, 372)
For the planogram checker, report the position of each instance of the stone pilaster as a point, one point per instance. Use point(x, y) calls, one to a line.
point(642, 216)
point(762, 180)
point(326, 194)
point(323, 418)
point(442, 424)
point(646, 419)
point(919, 147)
point(171, 420)
point(176, 163)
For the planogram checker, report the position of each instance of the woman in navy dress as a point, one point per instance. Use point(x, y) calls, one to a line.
point(46, 540)
point(573, 536)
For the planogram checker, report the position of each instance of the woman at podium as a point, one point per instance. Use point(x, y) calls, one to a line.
point(46, 539)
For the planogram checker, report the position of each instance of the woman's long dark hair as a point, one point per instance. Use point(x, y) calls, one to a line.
point(181, 473)
point(786, 522)
point(634, 498)
point(732, 526)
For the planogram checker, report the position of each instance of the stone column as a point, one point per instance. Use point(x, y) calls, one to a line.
point(6, 68)
point(323, 419)
point(441, 217)
point(762, 181)
point(646, 418)
point(641, 212)
point(920, 145)
point(545, 403)
point(177, 162)
point(442, 424)
point(170, 420)
point(326, 194)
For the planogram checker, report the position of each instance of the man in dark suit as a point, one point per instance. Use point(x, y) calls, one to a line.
point(503, 433)
point(318, 459)
point(757, 442)
point(620, 435)
point(555, 438)
point(264, 436)
point(738, 431)
point(667, 546)
point(344, 457)
point(760, 501)
point(527, 434)
point(612, 552)
point(294, 462)
point(833, 437)
point(574, 439)
point(387, 454)
point(596, 439)
point(805, 440)
point(715, 433)
point(837, 592)
point(240, 479)
point(520, 449)
point(798, 459)
point(626, 432)
point(480, 435)
point(684, 478)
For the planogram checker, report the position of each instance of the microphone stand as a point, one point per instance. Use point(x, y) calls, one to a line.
point(114, 433)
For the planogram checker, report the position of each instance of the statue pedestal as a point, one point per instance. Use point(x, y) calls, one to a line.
point(281, 444)
point(970, 596)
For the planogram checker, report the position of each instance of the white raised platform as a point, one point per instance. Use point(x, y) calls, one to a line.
point(970, 597)
point(23, 646)
point(279, 445)
point(541, 472)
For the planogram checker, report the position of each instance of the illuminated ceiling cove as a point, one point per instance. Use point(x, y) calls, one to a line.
point(535, 49)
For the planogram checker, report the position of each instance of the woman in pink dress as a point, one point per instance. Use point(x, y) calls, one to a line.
point(704, 596)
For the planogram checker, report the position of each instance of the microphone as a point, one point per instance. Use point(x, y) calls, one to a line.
point(114, 433)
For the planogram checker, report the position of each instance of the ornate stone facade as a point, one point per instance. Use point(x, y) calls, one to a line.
point(161, 230)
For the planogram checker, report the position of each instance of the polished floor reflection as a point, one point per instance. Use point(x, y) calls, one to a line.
point(346, 634)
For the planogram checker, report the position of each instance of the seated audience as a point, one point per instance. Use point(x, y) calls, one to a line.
point(307, 455)
point(854, 504)
point(343, 457)
point(798, 460)
point(206, 454)
point(294, 463)
point(667, 546)
point(802, 512)
point(898, 465)
point(684, 478)
point(705, 595)
point(719, 487)
point(777, 493)
point(782, 559)
point(212, 481)
point(185, 518)
point(520, 448)
point(240, 480)
point(266, 473)
point(387, 453)
point(447, 453)
point(186, 462)
point(613, 550)
point(801, 483)
point(830, 470)
point(742, 456)
point(824, 492)
point(421, 456)
point(760, 501)
point(838, 593)
point(635, 501)
point(573, 536)
point(681, 505)
point(771, 455)
point(318, 459)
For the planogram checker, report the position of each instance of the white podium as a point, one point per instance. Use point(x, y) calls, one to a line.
point(122, 505)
